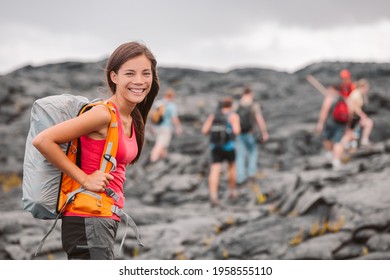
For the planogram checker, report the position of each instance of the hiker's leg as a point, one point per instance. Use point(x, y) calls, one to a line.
point(327, 142)
point(101, 233)
point(341, 137)
point(367, 126)
point(232, 179)
point(338, 149)
point(326, 136)
point(253, 156)
point(160, 148)
point(347, 136)
point(156, 152)
point(73, 236)
point(215, 171)
point(164, 153)
point(328, 145)
point(240, 159)
point(89, 238)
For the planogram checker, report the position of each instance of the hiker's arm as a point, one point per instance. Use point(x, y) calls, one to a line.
point(315, 83)
point(207, 124)
point(262, 126)
point(260, 121)
point(176, 122)
point(48, 141)
point(357, 109)
point(326, 104)
point(235, 121)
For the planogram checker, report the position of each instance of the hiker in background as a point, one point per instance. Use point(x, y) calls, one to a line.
point(359, 119)
point(251, 118)
point(332, 130)
point(346, 85)
point(168, 123)
point(132, 78)
point(222, 126)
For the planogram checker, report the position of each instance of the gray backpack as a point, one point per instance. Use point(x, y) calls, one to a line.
point(39, 176)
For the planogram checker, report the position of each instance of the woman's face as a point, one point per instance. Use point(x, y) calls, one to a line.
point(134, 79)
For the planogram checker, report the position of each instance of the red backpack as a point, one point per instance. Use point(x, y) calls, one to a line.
point(340, 111)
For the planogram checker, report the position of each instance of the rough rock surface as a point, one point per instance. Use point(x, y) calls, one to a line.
point(298, 208)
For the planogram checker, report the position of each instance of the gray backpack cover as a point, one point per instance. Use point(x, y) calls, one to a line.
point(41, 180)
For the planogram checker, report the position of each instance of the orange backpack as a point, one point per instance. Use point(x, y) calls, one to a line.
point(72, 196)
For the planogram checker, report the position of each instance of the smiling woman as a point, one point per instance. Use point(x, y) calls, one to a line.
point(132, 77)
point(133, 82)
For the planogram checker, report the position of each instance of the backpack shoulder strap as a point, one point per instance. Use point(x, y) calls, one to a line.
point(108, 161)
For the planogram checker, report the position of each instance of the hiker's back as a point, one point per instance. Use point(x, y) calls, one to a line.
point(246, 113)
point(170, 111)
point(356, 97)
point(339, 110)
point(221, 132)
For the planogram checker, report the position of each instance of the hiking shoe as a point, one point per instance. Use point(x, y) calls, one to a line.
point(328, 156)
point(365, 143)
point(336, 164)
point(233, 195)
point(214, 202)
point(242, 184)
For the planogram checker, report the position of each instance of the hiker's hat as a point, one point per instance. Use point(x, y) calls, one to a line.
point(344, 74)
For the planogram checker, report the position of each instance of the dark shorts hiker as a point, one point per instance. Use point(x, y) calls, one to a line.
point(89, 238)
point(219, 155)
point(333, 131)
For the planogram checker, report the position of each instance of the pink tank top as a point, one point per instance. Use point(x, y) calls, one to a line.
point(91, 154)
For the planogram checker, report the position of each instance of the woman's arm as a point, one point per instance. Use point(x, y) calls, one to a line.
point(262, 126)
point(235, 121)
point(93, 123)
point(324, 112)
point(207, 124)
point(177, 124)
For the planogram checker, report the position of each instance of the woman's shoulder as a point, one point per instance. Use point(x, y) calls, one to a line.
point(233, 115)
point(99, 113)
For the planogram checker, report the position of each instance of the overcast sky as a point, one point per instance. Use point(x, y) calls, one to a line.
point(204, 34)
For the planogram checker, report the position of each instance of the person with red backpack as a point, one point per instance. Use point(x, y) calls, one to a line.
point(332, 123)
point(131, 74)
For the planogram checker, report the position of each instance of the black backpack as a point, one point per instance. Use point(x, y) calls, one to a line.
point(246, 117)
point(220, 132)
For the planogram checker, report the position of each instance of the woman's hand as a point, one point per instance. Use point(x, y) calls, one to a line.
point(97, 181)
point(319, 128)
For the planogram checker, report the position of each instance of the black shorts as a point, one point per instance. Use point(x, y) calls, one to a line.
point(219, 155)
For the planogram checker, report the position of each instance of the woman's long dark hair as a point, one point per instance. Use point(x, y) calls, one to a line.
point(140, 113)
